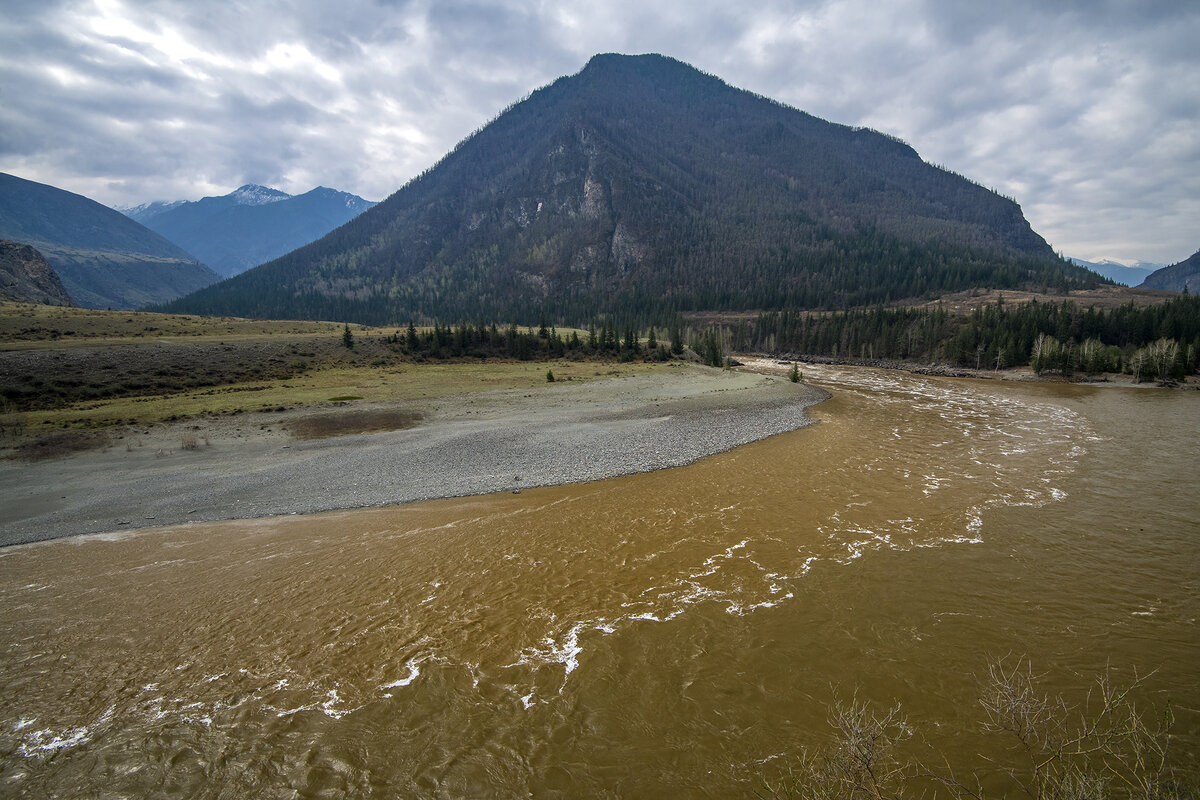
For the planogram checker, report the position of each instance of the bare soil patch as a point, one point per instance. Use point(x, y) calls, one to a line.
point(59, 443)
point(345, 423)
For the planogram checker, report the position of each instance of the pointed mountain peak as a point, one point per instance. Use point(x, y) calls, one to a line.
point(650, 68)
point(254, 195)
point(641, 185)
point(644, 62)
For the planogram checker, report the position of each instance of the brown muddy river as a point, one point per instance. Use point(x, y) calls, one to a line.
point(675, 634)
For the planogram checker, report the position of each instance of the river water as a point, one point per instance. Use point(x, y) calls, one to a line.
point(680, 633)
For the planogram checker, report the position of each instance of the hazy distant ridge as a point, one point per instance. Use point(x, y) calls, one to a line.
point(1178, 277)
point(104, 258)
point(250, 225)
point(1127, 275)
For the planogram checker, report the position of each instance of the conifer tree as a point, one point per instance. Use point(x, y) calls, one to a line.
point(676, 340)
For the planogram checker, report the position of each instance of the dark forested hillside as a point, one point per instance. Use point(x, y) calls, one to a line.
point(641, 186)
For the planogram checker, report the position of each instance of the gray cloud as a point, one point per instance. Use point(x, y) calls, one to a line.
point(1082, 111)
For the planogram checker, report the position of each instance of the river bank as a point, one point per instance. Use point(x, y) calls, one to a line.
point(255, 465)
point(758, 362)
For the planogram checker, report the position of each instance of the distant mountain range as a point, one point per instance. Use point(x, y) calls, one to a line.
point(642, 187)
point(1125, 274)
point(1184, 276)
point(104, 258)
point(1146, 275)
point(250, 225)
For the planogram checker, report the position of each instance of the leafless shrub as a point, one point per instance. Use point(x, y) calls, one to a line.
point(860, 764)
point(1106, 748)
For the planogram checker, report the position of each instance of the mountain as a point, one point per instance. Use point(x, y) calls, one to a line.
point(145, 211)
point(250, 225)
point(104, 258)
point(1184, 276)
point(643, 187)
point(249, 195)
point(1124, 274)
point(26, 276)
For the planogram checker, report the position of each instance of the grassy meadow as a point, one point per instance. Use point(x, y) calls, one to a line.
point(91, 371)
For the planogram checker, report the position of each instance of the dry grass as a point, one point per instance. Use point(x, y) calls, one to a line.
point(82, 369)
point(28, 323)
point(324, 426)
point(1105, 297)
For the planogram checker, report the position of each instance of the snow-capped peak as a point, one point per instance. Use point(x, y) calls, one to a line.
point(254, 195)
point(144, 211)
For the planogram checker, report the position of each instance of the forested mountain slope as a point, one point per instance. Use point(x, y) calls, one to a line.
point(641, 186)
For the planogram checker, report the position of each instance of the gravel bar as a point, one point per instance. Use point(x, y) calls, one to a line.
point(467, 445)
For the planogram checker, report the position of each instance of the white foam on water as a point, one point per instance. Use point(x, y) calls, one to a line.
point(46, 742)
point(565, 652)
point(110, 536)
point(933, 483)
point(414, 669)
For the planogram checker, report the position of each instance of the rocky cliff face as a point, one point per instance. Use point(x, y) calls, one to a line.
point(26, 276)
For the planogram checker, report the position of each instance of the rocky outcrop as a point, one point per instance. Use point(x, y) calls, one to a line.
point(26, 276)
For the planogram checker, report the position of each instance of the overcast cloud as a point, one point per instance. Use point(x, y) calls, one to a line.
point(1085, 112)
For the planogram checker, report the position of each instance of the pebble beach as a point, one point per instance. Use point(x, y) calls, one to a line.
point(467, 445)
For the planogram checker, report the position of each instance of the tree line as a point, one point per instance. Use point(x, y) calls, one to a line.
point(1160, 342)
point(1150, 342)
point(602, 339)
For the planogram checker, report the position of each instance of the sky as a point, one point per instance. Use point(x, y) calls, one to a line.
point(1087, 113)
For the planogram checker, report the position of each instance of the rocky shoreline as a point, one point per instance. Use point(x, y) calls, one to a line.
point(467, 445)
